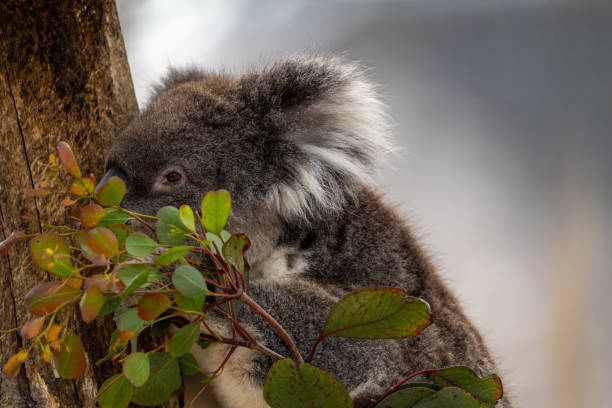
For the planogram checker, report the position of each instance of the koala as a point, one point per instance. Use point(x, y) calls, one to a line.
point(296, 144)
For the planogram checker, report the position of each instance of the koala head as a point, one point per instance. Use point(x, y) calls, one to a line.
point(293, 140)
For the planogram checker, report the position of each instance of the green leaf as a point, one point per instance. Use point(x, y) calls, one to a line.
point(139, 244)
point(133, 276)
point(189, 365)
point(234, 249)
point(113, 217)
point(109, 306)
point(102, 241)
point(48, 296)
point(111, 193)
point(216, 208)
point(68, 160)
point(69, 359)
point(136, 368)
point(91, 215)
point(118, 395)
point(183, 339)
point(172, 255)
point(170, 229)
point(203, 343)
point(406, 397)
point(449, 397)
point(121, 232)
point(164, 379)
point(189, 281)
point(91, 303)
point(130, 322)
point(152, 305)
point(216, 239)
point(303, 386)
point(378, 313)
point(51, 253)
point(192, 305)
point(487, 390)
point(187, 218)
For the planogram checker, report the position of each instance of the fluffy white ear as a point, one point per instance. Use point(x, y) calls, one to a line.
point(332, 113)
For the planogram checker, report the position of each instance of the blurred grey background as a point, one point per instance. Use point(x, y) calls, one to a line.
point(502, 109)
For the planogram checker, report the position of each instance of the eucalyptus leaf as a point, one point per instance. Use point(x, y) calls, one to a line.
point(140, 245)
point(189, 281)
point(170, 230)
point(164, 379)
point(378, 313)
point(303, 386)
point(118, 395)
point(183, 339)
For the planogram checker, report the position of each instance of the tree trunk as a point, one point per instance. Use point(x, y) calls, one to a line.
point(63, 76)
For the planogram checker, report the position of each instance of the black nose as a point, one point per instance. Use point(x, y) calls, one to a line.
point(113, 171)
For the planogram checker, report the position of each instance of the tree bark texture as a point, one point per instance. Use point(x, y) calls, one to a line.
point(63, 76)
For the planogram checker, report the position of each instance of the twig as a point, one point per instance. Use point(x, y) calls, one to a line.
point(276, 325)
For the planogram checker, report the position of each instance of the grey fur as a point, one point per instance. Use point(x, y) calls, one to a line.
point(294, 143)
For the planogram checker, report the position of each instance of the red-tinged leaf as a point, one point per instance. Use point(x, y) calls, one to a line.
point(378, 313)
point(69, 359)
point(12, 239)
point(13, 364)
point(100, 260)
point(68, 160)
point(303, 386)
point(234, 249)
point(102, 241)
point(51, 253)
point(89, 185)
point(74, 282)
point(91, 303)
point(78, 189)
point(125, 335)
point(111, 193)
point(105, 283)
point(32, 327)
point(82, 187)
point(53, 333)
point(486, 390)
point(152, 305)
point(91, 214)
point(46, 297)
point(67, 202)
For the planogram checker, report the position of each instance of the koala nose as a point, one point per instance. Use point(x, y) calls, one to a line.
point(113, 171)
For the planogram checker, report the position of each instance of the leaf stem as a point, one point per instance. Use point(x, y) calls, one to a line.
point(275, 324)
point(399, 384)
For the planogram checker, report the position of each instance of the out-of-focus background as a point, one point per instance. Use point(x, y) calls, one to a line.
point(503, 111)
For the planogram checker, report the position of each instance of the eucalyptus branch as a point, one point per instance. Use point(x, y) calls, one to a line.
point(275, 324)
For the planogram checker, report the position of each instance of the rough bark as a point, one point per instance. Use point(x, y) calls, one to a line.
point(63, 76)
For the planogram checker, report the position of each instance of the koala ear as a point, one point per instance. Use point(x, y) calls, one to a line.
point(176, 76)
point(331, 112)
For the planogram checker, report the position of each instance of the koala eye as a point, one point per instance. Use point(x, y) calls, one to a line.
point(173, 177)
point(169, 179)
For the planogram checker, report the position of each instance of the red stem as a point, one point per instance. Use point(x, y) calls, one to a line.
point(399, 384)
point(314, 347)
point(275, 325)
